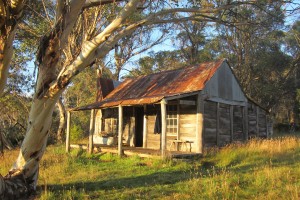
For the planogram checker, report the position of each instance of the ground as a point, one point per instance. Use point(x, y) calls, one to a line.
point(258, 169)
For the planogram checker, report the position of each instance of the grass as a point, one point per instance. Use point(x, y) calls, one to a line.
point(258, 169)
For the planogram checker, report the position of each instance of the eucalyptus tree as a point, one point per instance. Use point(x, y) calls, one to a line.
point(137, 43)
point(191, 40)
point(10, 15)
point(53, 76)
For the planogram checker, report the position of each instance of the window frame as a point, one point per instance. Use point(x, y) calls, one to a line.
point(172, 120)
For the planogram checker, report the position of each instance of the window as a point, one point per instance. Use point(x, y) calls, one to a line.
point(114, 126)
point(172, 120)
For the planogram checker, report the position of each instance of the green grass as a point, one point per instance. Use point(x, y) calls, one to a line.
point(258, 169)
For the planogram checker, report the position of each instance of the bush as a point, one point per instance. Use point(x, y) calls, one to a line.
point(76, 133)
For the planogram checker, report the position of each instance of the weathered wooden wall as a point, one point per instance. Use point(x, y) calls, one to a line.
point(153, 140)
point(223, 85)
point(107, 123)
point(258, 122)
point(187, 125)
point(98, 122)
point(262, 123)
point(210, 123)
point(238, 132)
point(224, 124)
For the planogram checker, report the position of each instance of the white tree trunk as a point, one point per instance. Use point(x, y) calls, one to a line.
point(62, 120)
point(22, 178)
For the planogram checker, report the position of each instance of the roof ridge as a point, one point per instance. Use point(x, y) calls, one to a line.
point(181, 68)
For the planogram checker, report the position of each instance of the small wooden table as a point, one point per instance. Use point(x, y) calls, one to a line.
point(183, 142)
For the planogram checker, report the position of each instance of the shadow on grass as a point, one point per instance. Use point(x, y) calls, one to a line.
point(159, 178)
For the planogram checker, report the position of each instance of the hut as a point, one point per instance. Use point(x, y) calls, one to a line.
point(183, 110)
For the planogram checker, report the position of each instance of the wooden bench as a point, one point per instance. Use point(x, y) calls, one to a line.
point(183, 142)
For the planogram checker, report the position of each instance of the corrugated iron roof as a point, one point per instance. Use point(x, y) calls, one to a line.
point(152, 88)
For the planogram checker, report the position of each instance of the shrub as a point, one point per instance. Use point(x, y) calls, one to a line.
point(76, 132)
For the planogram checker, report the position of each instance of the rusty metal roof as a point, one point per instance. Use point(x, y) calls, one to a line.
point(152, 88)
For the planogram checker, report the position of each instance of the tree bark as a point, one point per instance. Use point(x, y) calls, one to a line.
point(62, 121)
point(22, 177)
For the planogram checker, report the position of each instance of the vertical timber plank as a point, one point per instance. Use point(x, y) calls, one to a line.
point(231, 123)
point(199, 124)
point(145, 127)
point(120, 130)
point(163, 105)
point(178, 121)
point(91, 131)
point(218, 124)
point(245, 124)
point(68, 132)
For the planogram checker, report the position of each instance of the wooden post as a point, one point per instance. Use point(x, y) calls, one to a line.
point(199, 124)
point(120, 131)
point(145, 127)
point(245, 124)
point(68, 132)
point(163, 105)
point(218, 124)
point(178, 121)
point(231, 123)
point(91, 131)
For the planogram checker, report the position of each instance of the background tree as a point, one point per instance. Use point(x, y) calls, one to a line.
point(191, 41)
point(10, 15)
point(137, 43)
point(157, 62)
point(259, 57)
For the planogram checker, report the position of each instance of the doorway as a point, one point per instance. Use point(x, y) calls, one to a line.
point(139, 124)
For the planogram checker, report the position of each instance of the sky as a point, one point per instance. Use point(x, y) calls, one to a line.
point(168, 46)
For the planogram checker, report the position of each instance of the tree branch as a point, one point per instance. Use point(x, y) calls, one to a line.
point(94, 3)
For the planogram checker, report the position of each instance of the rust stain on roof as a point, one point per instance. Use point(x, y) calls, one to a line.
point(154, 87)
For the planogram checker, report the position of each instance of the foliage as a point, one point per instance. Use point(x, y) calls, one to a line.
point(81, 92)
point(261, 50)
point(157, 62)
point(14, 110)
point(83, 89)
point(77, 133)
